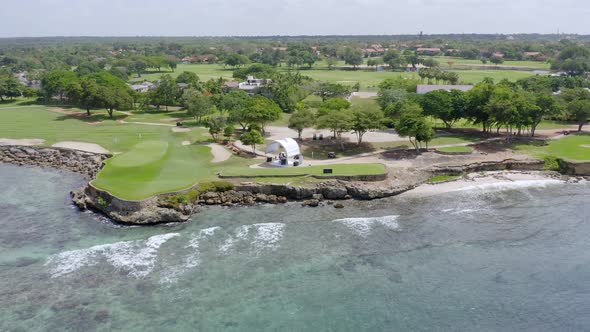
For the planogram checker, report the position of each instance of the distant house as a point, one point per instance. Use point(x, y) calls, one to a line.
point(252, 84)
point(425, 88)
point(230, 85)
point(428, 50)
point(205, 58)
point(498, 55)
point(374, 50)
point(22, 77)
point(143, 87)
point(536, 56)
point(283, 49)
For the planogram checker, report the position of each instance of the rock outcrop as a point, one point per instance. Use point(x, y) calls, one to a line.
point(85, 163)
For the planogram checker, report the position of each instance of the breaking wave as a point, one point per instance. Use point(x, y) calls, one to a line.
point(364, 226)
point(500, 186)
point(137, 258)
point(264, 236)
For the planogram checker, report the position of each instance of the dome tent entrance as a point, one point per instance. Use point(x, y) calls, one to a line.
point(292, 155)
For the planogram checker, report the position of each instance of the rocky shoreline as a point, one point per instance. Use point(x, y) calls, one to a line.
point(85, 163)
point(180, 206)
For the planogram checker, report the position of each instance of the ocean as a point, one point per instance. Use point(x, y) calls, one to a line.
point(503, 257)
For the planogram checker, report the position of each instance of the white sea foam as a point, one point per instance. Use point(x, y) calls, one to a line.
point(260, 236)
point(520, 184)
point(364, 226)
point(137, 258)
point(192, 260)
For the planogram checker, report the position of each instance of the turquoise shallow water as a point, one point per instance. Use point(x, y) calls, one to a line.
point(511, 257)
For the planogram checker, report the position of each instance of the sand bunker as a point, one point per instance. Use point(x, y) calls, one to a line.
point(82, 146)
point(180, 129)
point(219, 153)
point(23, 141)
point(186, 143)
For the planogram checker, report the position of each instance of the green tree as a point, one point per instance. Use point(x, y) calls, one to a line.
point(579, 111)
point(167, 91)
point(327, 90)
point(394, 59)
point(301, 119)
point(331, 62)
point(334, 104)
point(197, 104)
point(353, 57)
point(85, 94)
point(114, 98)
point(191, 79)
point(338, 121)
point(261, 110)
point(415, 126)
point(252, 138)
point(365, 119)
point(216, 126)
point(441, 104)
point(233, 103)
point(236, 60)
point(547, 107)
point(228, 132)
point(10, 87)
point(55, 83)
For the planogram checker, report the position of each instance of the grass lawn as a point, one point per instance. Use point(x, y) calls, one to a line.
point(369, 79)
point(443, 60)
point(155, 167)
point(443, 178)
point(338, 169)
point(456, 149)
point(573, 147)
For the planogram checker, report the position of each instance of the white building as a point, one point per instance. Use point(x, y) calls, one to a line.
point(253, 83)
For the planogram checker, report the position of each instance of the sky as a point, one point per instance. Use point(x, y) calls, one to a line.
point(34, 18)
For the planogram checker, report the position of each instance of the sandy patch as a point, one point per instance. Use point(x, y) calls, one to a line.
point(23, 141)
point(219, 153)
point(82, 146)
point(490, 181)
point(180, 129)
point(67, 112)
point(186, 143)
point(171, 120)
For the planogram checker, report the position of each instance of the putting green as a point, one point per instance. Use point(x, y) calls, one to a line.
point(143, 153)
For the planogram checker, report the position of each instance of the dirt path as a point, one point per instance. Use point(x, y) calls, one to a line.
point(82, 146)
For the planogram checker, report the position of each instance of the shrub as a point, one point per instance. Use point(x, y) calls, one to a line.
point(101, 201)
point(218, 186)
point(553, 163)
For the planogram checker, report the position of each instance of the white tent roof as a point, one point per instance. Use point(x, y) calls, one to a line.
point(290, 145)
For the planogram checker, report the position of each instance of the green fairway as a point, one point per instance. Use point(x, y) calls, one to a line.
point(457, 62)
point(573, 147)
point(369, 79)
point(338, 169)
point(151, 168)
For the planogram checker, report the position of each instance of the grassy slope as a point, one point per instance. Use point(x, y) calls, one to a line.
point(574, 147)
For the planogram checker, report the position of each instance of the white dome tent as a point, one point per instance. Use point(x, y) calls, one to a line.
point(291, 157)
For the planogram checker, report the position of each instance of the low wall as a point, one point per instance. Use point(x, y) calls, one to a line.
point(363, 178)
point(581, 168)
point(508, 164)
point(86, 163)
